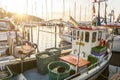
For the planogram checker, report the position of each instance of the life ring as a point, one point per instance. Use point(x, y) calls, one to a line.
point(102, 42)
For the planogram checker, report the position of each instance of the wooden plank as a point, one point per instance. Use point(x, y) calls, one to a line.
point(73, 60)
point(116, 76)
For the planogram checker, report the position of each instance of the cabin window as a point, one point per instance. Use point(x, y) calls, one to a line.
point(94, 36)
point(78, 34)
point(74, 34)
point(99, 35)
point(117, 31)
point(81, 37)
point(87, 37)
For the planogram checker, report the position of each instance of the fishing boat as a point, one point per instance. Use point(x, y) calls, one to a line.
point(91, 52)
point(8, 30)
point(13, 43)
point(84, 48)
point(88, 58)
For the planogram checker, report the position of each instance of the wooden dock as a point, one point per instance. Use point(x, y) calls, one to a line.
point(116, 76)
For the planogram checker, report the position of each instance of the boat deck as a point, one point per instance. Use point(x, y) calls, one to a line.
point(31, 75)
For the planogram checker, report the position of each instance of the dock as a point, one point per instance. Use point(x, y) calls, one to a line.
point(116, 76)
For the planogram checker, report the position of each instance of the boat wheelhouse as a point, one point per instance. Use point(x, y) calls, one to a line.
point(87, 38)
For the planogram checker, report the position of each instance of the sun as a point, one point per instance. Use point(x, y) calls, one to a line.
point(17, 6)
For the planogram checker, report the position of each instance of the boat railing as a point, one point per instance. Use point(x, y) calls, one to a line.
point(87, 70)
point(65, 47)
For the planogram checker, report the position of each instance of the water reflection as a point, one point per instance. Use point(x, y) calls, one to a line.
point(46, 37)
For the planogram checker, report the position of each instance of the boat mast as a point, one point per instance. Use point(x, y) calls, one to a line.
point(69, 10)
point(75, 10)
point(51, 9)
point(63, 8)
point(46, 10)
point(99, 23)
point(80, 13)
point(85, 13)
point(105, 13)
point(27, 11)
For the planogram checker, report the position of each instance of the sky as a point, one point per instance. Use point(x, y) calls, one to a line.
point(81, 10)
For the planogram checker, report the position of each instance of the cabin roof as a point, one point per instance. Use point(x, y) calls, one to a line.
point(91, 28)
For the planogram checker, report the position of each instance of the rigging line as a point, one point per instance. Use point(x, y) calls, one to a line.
point(63, 8)
point(51, 9)
point(51, 37)
point(75, 10)
point(80, 13)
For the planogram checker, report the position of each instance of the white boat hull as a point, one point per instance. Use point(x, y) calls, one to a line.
point(67, 38)
point(93, 73)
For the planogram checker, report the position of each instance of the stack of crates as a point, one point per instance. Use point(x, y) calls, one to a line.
point(45, 57)
point(55, 52)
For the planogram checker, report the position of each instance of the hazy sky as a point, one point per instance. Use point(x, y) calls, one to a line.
point(83, 10)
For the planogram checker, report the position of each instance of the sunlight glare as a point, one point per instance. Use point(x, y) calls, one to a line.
point(15, 5)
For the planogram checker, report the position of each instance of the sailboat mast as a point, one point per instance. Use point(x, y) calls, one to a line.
point(99, 23)
point(85, 13)
point(80, 13)
point(75, 10)
point(51, 9)
point(63, 8)
point(105, 13)
point(42, 10)
point(27, 11)
point(46, 10)
point(69, 10)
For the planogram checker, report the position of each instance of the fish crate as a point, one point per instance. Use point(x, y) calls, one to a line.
point(93, 59)
point(6, 73)
point(43, 59)
point(99, 52)
point(55, 52)
point(99, 49)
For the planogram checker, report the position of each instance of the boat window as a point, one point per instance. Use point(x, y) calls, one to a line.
point(74, 34)
point(117, 31)
point(99, 35)
point(81, 36)
point(87, 37)
point(78, 35)
point(94, 36)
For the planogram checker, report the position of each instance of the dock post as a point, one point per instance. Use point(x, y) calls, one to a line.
point(55, 35)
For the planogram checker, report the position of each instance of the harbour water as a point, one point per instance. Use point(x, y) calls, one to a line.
point(46, 37)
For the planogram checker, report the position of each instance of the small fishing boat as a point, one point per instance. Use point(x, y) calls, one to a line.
point(13, 43)
point(91, 52)
point(8, 32)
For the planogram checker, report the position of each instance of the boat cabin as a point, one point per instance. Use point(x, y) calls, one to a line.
point(84, 39)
